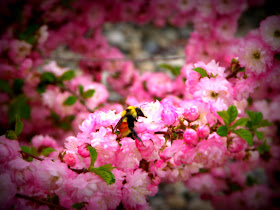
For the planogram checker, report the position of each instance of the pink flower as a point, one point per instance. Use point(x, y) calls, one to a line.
point(54, 68)
point(129, 156)
point(135, 190)
point(169, 114)
point(210, 153)
point(209, 91)
point(258, 197)
point(225, 28)
point(41, 142)
point(255, 56)
point(21, 172)
point(9, 149)
point(8, 191)
point(51, 175)
point(229, 7)
point(270, 32)
point(205, 183)
point(169, 151)
point(158, 84)
point(19, 50)
point(190, 136)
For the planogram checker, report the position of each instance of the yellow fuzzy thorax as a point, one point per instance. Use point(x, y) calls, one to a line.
point(132, 111)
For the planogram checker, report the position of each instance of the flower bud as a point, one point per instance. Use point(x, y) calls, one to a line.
point(83, 151)
point(203, 131)
point(190, 136)
point(191, 113)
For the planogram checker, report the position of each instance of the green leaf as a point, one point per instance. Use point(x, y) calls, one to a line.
point(28, 34)
point(225, 116)
point(47, 151)
point(277, 56)
point(259, 134)
point(81, 90)
point(68, 75)
point(240, 122)
point(27, 150)
point(70, 100)
point(214, 76)
point(264, 123)
point(10, 134)
point(78, 205)
point(242, 69)
point(105, 174)
point(263, 148)
point(250, 181)
point(5, 87)
point(19, 106)
point(41, 88)
point(255, 117)
point(175, 70)
point(17, 86)
point(201, 71)
point(245, 134)
point(19, 125)
point(93, 155)
point(107, 166)
point(48, 77)
point(222, 130)
point(88, 93)
point(232, 112)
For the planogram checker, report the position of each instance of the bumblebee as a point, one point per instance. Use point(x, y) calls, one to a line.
point(126, 123)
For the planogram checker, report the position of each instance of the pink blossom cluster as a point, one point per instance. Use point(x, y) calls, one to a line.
point(189, 134)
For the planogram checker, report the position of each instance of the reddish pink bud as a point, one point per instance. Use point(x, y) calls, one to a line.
point(190, 136)
point(191, 114)
point(69, 159)
point(203, 131)
point(83, 151)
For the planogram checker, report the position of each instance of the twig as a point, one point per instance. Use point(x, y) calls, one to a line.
point(79, 171)
point(168, 132)
point(233, 73)
point(78, 97)
point(37, 200)
point(24, 154)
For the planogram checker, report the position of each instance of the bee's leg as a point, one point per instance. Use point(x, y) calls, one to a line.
point(135, 136)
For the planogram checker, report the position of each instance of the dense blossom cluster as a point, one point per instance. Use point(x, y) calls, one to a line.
point(198, 128)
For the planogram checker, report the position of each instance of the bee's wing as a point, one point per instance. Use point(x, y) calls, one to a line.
point(119, 123)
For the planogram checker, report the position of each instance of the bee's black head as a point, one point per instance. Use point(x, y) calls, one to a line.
point(139, 112)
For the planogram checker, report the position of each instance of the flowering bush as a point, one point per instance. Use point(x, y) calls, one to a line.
point(212, 124)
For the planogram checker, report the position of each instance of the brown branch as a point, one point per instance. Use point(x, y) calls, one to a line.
point(78, 97)
point(168, 132)
point(42, 202)
point(79, 171)
point(233, 73)
point(25, 154)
